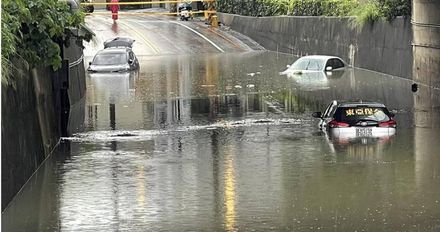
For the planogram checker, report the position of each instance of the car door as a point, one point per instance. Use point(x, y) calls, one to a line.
point(327, 116)
point(136, 61)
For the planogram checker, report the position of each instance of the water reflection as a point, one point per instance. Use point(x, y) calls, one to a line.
point(314, 81)
point(112, 87)
point(229, 190)
point(361, 149)
point(427, 136)
point(427, 107)
point(310, 81)
point(109, 94)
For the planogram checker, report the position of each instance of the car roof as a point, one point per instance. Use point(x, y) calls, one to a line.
point(114, 50)
point(320, 57)
point(119, 42)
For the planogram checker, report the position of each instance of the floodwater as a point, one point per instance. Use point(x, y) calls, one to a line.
point(222, 142)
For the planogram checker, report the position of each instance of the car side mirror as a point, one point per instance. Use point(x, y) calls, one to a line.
point(288, 66)
point(130, 61)
point(392, 114)
point(317, 115)
point(90, 62)
point(329, 68)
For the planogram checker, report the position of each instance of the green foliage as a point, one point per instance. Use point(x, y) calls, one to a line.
point(390, 9)
point(339, 7)
point(321, 7)
point(367, 11)
point(375, 10)
point(306, 8)
point(33, 31)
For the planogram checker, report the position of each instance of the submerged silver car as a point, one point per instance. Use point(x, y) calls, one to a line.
point(315, 63)
point(119, 59)
point(357, 119)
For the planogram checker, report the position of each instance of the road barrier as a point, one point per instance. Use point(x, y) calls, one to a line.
point(151, 13)
point(141, 3)
point(209, 14)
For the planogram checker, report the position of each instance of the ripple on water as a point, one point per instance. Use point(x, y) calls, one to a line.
point(142, 135)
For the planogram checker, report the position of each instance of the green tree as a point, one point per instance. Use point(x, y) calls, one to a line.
point(33, 29)
point(390, 9)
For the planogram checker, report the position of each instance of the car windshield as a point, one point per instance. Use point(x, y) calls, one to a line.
point(308, 64)
point(110, 59)
point(361, 113)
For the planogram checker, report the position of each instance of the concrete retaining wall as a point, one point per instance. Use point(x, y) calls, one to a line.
point(29, 126)
point(39, 108)
point(383, 47)
point(77, 85)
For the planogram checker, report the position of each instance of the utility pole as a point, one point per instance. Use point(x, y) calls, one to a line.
point(426, 42)
point(426, 60)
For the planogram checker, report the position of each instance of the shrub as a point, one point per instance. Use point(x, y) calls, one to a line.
point(366, 12)
point(33, 31)
point(390, 9)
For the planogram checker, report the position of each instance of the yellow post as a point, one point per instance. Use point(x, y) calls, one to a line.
point(214, 21)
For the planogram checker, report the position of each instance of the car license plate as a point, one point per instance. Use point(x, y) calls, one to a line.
point(361, 132)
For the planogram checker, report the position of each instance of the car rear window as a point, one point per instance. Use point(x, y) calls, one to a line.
point(110, 59)
point(361, 113)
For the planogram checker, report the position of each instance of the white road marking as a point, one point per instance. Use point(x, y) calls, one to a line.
point(204, 37)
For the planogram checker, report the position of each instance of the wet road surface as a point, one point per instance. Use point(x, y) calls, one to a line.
point(219, 141)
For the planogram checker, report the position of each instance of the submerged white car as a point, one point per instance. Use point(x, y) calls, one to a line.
point(315, 63)
point(114, 59)
point(357, 119)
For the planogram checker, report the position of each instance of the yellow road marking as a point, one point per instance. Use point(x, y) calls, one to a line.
point(227, 39)
point(145, 39)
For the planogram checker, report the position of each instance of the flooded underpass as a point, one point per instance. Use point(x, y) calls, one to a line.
point(222, 142)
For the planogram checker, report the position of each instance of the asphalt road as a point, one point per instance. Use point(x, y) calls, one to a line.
point(166, 35)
